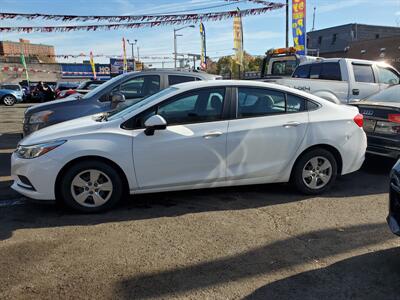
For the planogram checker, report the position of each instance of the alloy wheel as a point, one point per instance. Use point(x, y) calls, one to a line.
point(91, 188)
point(317, 172)
point(9, 100)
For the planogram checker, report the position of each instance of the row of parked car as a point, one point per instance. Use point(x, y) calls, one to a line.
point(12, 93)
point(145, 132)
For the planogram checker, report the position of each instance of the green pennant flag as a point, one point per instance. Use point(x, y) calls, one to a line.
point(23, 62)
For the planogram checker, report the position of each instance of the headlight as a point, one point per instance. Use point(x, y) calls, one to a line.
point(33, 151)
point(40, 117)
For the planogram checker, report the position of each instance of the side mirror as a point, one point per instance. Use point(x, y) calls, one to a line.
point(154, 123)
point(393, 81)
point(116, 98)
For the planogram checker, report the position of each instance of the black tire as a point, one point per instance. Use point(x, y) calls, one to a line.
point(9, 100)
point(302, 161)
point(65, 187)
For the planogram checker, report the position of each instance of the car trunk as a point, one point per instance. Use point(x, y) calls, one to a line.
point(381, 124)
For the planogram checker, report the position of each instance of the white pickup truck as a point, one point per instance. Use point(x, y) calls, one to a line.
point(341, 80)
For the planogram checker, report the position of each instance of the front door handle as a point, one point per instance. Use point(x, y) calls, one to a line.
point(212, 134)
point(356, 92)
point(291, 124)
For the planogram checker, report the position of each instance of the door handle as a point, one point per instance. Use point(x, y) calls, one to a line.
point(356, 92)
point(212, 134)
point(291, 124)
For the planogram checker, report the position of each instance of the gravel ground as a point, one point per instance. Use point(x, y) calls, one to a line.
point(256, 242)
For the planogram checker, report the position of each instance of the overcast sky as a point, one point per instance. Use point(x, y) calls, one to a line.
point(260, 32)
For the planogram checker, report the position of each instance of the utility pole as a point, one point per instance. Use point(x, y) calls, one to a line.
point(287, 23)
point(138, 53)
point(313, 20)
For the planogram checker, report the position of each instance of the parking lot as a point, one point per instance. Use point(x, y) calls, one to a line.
point(256, 242)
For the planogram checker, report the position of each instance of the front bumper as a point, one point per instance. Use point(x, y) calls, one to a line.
point(393, 218)
point(41, 173)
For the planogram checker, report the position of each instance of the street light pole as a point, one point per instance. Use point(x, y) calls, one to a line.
point(175, 42)
point(287, 24)
point(133, 54)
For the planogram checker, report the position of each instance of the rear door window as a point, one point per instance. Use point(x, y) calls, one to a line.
point(363, 73)
point(326, 71)
point(330, 71)
point(175, 79)
point(302, 71)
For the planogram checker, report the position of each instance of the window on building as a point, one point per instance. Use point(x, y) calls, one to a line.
point(320, 40)
point(334, 37)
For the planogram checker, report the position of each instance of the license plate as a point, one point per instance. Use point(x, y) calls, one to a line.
point(369, 125)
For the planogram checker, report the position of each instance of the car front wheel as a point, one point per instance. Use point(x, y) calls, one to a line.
point(9, 100)
point(91, 186)
point(315, 172)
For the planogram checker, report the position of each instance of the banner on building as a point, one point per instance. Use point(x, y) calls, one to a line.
point(85, 71)
point(117, 66)
point(203, 56)
point(238, 38)
point(299, 26)
point(93, 65)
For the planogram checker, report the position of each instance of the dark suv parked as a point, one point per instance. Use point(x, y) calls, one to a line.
point(124, 89)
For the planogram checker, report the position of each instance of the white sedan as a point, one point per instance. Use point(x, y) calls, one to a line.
point(190, 136)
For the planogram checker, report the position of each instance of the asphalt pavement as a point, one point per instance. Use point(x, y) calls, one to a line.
point(253, 242)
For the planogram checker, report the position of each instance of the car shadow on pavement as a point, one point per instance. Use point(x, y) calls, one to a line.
point(371, 180)
point(375, 274)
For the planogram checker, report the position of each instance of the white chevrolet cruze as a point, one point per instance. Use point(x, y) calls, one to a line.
point(190, 136)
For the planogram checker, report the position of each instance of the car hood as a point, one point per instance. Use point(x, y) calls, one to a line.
point(63, 130)
point(54, 104)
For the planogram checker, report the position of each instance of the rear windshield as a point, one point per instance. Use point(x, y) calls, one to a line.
point(391, 94)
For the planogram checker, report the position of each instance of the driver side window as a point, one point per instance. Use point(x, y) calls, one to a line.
point(203, 105)
point(140, 87)
point(387, 76)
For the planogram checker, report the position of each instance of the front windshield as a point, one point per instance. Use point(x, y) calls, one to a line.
point(391, 94)
point(101, 87)
point(120, 112)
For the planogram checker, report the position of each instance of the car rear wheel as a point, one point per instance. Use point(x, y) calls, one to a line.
point(92, 186)
point(315, 171)
point(9, 100)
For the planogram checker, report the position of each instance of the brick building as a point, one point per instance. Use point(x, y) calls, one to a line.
point(335, 41)
point(33, 52)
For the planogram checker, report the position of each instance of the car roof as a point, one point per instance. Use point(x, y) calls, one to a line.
point(174, 72)
point(186, 86)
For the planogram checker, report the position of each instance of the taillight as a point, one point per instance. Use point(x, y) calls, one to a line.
point(359, 120)
point(395, 118)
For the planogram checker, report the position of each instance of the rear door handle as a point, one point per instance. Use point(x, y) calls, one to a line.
point(212, 134)
point(291, 124)
point(356, 92)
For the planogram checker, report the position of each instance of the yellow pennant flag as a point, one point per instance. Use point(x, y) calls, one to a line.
point(93, 65)
point(238, 38)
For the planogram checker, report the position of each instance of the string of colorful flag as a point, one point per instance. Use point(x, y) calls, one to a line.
point(134, 21)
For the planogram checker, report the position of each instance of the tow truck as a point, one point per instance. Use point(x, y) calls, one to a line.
point(280, 62)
